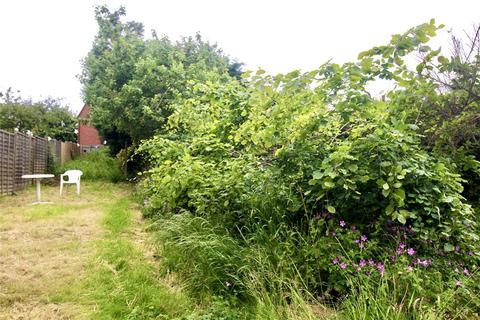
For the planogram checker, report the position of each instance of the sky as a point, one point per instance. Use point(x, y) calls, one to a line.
point(43, 42)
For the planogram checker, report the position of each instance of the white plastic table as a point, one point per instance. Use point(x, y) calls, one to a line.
point(38, 177)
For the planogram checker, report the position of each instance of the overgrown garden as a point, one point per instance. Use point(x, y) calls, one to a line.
point(277, 194)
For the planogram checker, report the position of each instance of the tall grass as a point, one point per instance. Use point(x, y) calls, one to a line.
point(212, 263)
point(397, 297)
point(95, 165)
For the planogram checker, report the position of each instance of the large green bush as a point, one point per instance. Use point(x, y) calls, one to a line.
point(294, 186)
point(95, 165)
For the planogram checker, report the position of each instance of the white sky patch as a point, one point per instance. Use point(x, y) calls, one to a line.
point(43, 42)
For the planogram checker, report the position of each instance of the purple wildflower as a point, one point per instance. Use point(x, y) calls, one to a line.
point(342, 223)
point(470, 253)
point(335, 261)
point(343, 265)
point(409, 269)
point(466, 272)
point(363, 238)
point(410, 251)
point(399, 251)
point(458, 283)
point(402, 245)
point(354, 228)
point(371, 262)
point(334, 234)
point(425, 263)
point(363, 263)
point(357, 241)
point(457, 249)
point(381, 268)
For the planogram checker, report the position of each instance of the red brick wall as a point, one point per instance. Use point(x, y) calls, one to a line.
point(87, 134)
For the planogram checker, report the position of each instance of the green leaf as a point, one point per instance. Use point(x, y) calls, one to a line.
point(447, 247)
point(328, 184)
point(420, 67)
point(385, 186)
point(317, 175)
point(331, 209)
point(442, 60)
point(401, 219)
point(400, 193)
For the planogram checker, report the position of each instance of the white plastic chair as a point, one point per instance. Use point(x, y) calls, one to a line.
point(73, 177)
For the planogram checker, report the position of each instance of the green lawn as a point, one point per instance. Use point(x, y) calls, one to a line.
point(83, 257)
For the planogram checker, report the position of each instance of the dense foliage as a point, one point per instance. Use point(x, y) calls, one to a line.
point(277, 192)
point(131, 82)
point(42, 118)
point(306, 177)
point(95, 165)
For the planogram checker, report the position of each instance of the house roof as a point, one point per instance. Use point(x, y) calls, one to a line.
point(85, 112)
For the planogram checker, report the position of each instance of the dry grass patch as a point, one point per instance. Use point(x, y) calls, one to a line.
point(46, 247)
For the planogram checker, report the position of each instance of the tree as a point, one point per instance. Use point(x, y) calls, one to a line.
point(43, 118)
point(131, 83)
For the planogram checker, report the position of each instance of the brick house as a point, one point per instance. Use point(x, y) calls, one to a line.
point(88, 137)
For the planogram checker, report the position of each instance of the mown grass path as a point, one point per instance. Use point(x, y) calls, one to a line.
point(79, 258)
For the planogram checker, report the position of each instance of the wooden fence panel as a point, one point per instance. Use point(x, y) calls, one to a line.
point(7, 162)
point(23, 159)
point(20, 154)
point(23, 154)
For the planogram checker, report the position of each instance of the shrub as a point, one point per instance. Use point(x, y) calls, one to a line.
point(95, 165)
point(257, 183)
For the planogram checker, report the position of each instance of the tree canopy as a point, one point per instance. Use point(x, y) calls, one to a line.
point(131, 82)
point(43, 118)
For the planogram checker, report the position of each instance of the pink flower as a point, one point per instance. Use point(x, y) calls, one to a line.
point(409, 269)
point(363, 237)
point(342, 223)
point(363, 263)
point(466, 272)
point(401, 245)
point(410, 251)
point(381, 268)
point(371, 262)
point(343, 265)
point(458, 283)
point(335, 261)
point(353, 228)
